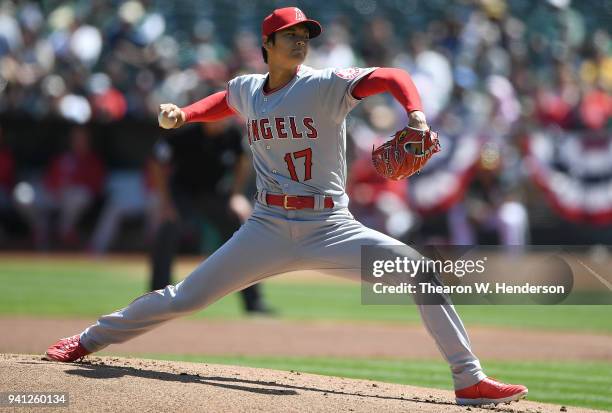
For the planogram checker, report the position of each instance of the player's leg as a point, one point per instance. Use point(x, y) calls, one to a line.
point(258, 250)
point(216, 208)
point(167, 236)
point(162, 253)
point(336, 245)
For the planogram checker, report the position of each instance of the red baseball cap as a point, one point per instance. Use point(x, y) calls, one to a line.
point(286, 17)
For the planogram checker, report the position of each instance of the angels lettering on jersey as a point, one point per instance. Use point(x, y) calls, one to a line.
point(297, 133)
point(288, 127)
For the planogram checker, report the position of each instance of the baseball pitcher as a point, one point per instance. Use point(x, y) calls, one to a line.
point(295, 122)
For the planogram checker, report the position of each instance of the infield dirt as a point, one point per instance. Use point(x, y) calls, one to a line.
point(110, 384)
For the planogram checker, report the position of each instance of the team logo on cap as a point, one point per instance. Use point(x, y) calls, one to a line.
point(299, 15)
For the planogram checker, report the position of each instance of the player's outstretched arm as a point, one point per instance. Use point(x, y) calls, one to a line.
point(399, 83)
point(209, 109)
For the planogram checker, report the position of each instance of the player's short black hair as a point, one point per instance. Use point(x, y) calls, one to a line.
point(264, 52)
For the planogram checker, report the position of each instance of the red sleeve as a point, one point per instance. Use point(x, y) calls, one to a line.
point(211, 108)
point(395, 81)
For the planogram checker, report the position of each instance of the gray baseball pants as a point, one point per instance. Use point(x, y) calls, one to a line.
point(275, 241)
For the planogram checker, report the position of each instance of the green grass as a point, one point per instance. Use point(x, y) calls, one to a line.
point(82, 289)
point(89, 289)
point(586, 384)
point(64, 288)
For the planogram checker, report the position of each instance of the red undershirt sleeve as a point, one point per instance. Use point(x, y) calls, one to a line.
point(209, 109)
point(395, 81)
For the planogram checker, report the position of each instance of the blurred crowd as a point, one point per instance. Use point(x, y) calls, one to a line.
point(489, 72)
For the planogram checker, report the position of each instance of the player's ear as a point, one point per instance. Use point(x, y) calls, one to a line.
point(268, 40)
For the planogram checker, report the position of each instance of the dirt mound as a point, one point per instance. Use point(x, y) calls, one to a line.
point(118, 384)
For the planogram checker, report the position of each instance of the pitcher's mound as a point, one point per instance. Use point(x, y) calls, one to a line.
point(119, 384)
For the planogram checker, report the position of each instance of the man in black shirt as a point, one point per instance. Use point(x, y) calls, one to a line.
point(200, 172)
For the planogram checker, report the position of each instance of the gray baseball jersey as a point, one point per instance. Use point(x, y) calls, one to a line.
point(297, 135)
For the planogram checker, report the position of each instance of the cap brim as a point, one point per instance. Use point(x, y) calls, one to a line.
point(314, 27)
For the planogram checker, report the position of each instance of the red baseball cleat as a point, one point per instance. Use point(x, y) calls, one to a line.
point(67, 349)
point(490, 391)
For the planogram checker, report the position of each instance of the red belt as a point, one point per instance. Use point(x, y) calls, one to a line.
point(296, 201)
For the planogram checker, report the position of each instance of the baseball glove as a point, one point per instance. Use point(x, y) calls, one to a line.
point(406, 153)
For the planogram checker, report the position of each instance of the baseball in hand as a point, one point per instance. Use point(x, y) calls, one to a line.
point(165, 121)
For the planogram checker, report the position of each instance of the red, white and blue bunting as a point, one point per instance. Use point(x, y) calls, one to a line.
point(574, 172)
point(445, 178)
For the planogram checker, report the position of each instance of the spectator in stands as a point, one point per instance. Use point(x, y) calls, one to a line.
point(110, 61)
point(558, 99)
point(7, 178)
point(71, 183)
point(490, 206)
point(129, 194)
